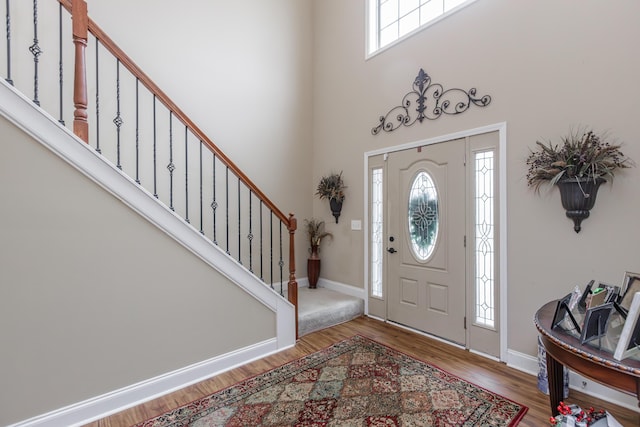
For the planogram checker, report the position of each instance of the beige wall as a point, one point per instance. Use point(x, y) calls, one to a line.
point(241, 70)
point(93, 297)
point(548, 66)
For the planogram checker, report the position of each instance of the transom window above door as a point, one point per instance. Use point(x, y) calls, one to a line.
point(390, 21)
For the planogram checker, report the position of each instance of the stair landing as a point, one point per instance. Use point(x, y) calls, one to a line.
point(320, 308)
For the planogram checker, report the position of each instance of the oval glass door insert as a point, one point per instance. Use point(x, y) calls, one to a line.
point(423, 216)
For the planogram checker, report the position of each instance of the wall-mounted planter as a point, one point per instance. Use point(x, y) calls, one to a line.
point(336, 208)
point(578, 196)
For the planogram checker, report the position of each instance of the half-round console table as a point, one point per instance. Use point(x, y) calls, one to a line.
point(564, 349)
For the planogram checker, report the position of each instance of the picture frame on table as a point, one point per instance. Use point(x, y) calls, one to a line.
point(630, 285)
point(629, 342)
point(582, 302)
point(596, 322)
point(562, 311)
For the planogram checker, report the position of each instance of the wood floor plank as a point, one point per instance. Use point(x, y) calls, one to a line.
point(492, 375)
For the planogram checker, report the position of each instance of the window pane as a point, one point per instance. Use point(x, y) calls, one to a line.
point(423, 216)
point(409, 23)
point(389, 34)
point(484, 239)
point(450, 4)
point(388, 12)
point(430, 11)
point(390, 20)
point(377, 229)
point(407, 6)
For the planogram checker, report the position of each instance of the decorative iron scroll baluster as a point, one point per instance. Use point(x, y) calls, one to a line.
point(239, 226)
point(60, 68)
point(201, 211)
point(97, 99)
point(137, 132)
point(261, 243)
point(155, 151)
point(226, 203)
point(8, 26)
point(118, 119)
point(171, 167)
point(281, 262)
point(250, 235)
point(186, 176)
point(36, 52)
point(271, 248)
point(214, 204)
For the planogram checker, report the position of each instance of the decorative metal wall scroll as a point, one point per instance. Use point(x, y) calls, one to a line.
point(431, 102)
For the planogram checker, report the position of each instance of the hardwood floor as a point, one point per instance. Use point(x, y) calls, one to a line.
point(491, 375)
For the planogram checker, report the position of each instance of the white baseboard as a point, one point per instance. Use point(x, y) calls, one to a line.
point(343, 288)
point(102, 406)
point(529, 364)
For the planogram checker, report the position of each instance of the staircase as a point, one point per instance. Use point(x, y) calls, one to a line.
point(128, 120)
point(321, 308)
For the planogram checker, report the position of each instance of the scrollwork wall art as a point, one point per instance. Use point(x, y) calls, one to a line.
point(431, 101)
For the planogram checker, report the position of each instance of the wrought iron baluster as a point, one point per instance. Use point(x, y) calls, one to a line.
point(118, 119)
point(214, 204)
point(36, 52)
point(171, 167)
point(97, 99)
point(227, 207)
point(281, 262)
point(60, 67)
point(250, 235)
point(239, 226)
point(261, 243)
point(186, 176)
point(201, 206)
point(137, 131)
point(271, 248)
point(8, 26)
point(155, 151)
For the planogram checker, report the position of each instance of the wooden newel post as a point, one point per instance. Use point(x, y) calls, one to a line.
point(80, 98)
point(293, 284)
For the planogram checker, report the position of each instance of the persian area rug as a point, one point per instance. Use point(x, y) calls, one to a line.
point(356, 382)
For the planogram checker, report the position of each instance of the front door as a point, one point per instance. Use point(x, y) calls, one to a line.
point(426, 239)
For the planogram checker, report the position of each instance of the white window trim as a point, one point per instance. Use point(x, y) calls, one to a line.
point(371, 17)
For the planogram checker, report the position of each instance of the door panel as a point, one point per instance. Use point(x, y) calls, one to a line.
point(427, 293)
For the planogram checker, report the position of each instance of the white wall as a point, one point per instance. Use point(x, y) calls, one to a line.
point(549, 66)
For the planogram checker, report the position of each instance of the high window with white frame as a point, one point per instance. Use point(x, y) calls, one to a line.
point(392, 20)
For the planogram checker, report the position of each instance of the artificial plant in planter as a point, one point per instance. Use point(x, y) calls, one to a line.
point(578, 166)
point(315, 233)
point(332, 187)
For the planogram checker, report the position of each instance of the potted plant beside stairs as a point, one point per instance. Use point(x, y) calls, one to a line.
point(315, 232)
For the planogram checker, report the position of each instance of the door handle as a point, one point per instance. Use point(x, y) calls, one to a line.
point(391, 250)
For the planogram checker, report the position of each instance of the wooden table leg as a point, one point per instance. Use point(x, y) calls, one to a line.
point(555, 376)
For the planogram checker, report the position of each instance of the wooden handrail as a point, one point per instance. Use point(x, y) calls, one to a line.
point(82, 25)
point(146, 81)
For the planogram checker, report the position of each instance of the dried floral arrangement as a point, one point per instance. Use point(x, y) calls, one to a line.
point(581, 154)
point(316, 231)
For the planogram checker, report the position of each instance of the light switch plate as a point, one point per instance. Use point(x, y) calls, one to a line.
point(356, 224)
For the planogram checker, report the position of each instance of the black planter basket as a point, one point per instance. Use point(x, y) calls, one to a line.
point(578, 196)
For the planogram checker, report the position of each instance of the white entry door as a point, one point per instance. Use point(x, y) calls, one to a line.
point(426, 274)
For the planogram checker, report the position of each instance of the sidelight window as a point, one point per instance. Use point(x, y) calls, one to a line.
point(484, 230)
